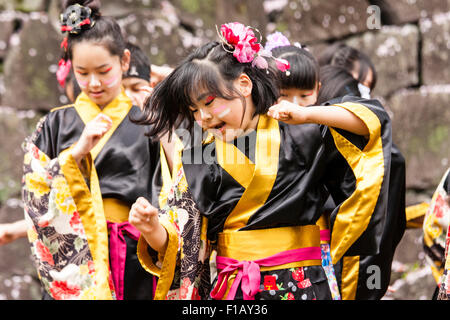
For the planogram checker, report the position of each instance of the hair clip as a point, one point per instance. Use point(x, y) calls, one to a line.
point(75, 17)
point(64, 44)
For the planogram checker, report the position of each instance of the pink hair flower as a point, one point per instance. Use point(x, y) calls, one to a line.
point(246, 51)
point(275, 40)
point(232, 32)
point(241, 41)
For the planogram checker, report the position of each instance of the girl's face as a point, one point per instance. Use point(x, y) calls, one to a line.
point(226, 119)
point(136, 89)
point(98, 72)
point(369, 79)
point(299, 96)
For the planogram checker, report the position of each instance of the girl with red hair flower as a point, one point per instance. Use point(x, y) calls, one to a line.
point(260, 177)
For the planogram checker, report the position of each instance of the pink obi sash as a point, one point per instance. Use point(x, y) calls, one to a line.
point(325, 235)
point(118, 252)
point(248, 272)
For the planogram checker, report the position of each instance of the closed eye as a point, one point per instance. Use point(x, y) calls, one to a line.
point(209, 100)
point(106, 71)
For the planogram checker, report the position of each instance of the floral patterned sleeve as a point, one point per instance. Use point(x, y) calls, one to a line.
point(440, 208)
point(57, 210)
point(183, 269)
point(435, 227)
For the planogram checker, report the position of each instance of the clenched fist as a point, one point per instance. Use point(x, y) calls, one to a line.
point(289, 112)
point(91, 135)
point(144, 217)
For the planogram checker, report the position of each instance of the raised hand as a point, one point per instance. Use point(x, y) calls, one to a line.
point(91, 135)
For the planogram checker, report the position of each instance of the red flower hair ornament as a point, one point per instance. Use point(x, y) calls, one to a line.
point(63, 71)
point(73, 20)
point(245, 47)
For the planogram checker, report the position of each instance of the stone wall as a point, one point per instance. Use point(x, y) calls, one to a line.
point(408, 41)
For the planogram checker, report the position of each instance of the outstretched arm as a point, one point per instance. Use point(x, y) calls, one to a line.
point(10, 232)
point(331, 116)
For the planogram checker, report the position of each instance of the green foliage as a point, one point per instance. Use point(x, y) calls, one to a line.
point(191, 6)
point(436, 140)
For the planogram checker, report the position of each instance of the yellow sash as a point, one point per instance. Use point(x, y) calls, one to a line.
point(258, 178)
point(116, 210)
point(252, 245)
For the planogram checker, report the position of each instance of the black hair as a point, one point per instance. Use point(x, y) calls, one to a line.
point(327, 54)
point(365, 65)
point(140, 66)
point(351, 59)
point(336, 82)
point(208, 69)
point(76, 87)
point(76, 90)
point(304, 69)
point(105, 31)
